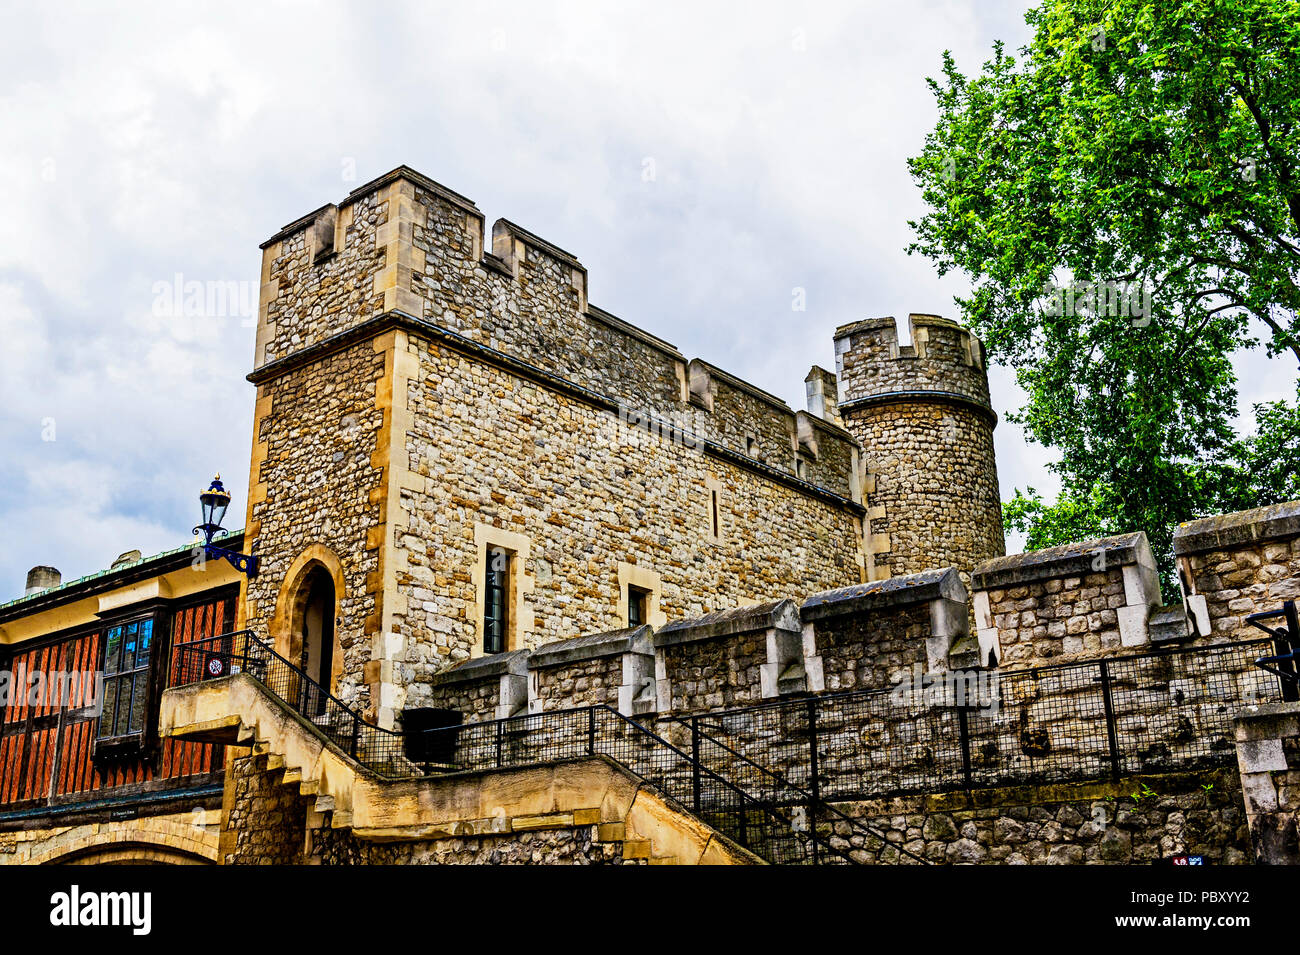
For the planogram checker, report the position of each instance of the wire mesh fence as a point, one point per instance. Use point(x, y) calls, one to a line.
point(778, 833)
point(767, 775)
point(1157, 712)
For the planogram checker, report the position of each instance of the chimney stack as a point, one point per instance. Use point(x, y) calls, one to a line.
point(42, 578)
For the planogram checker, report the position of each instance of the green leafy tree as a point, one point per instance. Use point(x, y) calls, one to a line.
point(1125, 199)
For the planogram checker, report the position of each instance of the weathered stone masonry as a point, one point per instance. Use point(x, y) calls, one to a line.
point(1083, 599)
point(425, 404)
point(425, 401)
point(421, 399)
point(589, 494)
point(321, 485)
point(922, 415)
point(1234, 565)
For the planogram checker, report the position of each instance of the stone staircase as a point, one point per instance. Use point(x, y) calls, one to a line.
point(595, 791)
point(239, 711)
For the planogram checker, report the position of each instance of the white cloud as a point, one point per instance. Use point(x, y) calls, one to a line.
point(158, 139)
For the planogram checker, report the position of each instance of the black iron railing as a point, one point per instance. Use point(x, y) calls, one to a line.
point(844, 833)
point(1156, 712)
point(766, 775)
point(1282, 662)
point(776, 833)
point(382, 751)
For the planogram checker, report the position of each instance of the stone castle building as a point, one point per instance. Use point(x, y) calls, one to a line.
point(425, 401)
point(512, 546)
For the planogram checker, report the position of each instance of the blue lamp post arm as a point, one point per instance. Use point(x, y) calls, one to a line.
point(246, 564)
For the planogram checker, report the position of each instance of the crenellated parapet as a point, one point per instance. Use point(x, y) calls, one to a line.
point(406, 245)
point(429, 390)
point(1234, 565)
point(865, 637)
point(1085, 599)
point(872, 636)
point(944, 359)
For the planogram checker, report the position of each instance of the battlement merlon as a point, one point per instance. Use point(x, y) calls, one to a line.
point(822, 390)
point(944, 358)
point(404, 245)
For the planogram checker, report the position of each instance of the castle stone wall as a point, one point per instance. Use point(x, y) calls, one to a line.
point(588, 495)
point(710, 674)
point(265, 821)
point(1234, 565)
point(1268, 757)
point(576, 846)
point(476, 700)
point(318, 480)
point(309, 293)
point(870, 651)
point(943, 358)
point(421, 397)
point(1135, 821)
point(592, 682)
point(1076, 600)
point(404, 242)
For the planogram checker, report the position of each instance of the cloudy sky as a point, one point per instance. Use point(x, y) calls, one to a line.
point(151, 142)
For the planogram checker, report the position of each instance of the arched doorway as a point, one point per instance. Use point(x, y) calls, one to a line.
point(315, 626)
point(306, 627)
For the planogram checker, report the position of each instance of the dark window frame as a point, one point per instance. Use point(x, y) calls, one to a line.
point(638, 606)
point(144, 681)
point(496, 600)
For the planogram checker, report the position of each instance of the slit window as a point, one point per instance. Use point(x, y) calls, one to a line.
point(715, 518)
point(496, 619)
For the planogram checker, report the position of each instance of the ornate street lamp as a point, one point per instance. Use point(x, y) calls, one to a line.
point(214, 502)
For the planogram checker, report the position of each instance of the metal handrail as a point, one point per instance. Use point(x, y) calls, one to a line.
point(256, 657)
point(1285, 662)
point(745, 797)
point(806, 797)
point(249, 635)
point(959, 747)
point(1004, 671)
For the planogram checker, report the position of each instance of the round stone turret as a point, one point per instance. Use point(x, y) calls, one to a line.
point(922, 415)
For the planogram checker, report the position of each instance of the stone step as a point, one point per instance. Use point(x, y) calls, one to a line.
point(636, 849)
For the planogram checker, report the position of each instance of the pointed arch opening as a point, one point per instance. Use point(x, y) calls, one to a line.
point(307, 622)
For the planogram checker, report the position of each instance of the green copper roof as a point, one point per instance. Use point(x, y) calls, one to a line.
point(113, 570)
